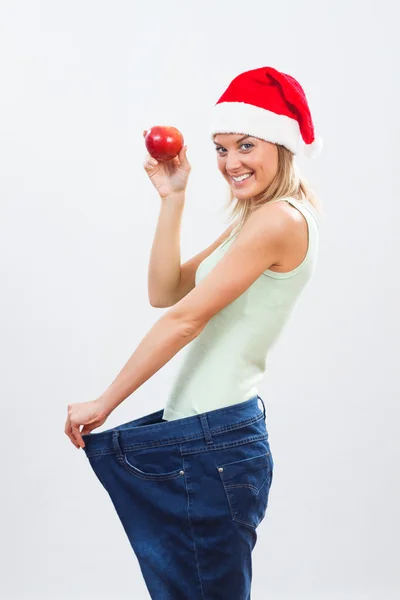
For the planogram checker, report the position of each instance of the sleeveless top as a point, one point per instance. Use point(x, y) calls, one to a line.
point(224, 363)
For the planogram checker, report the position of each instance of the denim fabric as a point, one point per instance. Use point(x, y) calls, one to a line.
point(190, 494)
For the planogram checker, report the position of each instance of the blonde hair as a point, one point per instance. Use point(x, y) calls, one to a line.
point(287, 182)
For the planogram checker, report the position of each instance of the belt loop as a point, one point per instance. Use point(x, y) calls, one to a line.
point(116, 443)
point(263, 406)
point(206, 429)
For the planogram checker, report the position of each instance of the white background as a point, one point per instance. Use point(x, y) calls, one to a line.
point(80, 80)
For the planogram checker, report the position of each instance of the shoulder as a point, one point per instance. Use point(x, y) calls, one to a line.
point(271, 223)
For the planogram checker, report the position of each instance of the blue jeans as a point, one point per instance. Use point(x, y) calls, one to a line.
point(190, 494)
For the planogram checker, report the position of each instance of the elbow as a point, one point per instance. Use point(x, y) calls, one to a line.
point(188, 328)
point(158, 303)
point(192, 329)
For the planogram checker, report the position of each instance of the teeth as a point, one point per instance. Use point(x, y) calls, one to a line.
point(242, 177)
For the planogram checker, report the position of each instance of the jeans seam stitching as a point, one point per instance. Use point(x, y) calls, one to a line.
point(188, 491)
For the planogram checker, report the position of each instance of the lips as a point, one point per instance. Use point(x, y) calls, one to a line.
point(242, 181)
point(241, 175)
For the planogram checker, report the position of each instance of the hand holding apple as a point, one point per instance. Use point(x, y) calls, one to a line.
point(169, 177)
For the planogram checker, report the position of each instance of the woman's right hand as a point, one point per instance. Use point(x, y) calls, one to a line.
point(168, 177)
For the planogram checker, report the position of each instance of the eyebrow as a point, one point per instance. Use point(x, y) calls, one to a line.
point(239, 140)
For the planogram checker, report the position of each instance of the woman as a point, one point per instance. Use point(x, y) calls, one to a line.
point(190, 483)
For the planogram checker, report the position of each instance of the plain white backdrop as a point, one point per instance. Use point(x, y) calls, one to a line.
point(80, 80)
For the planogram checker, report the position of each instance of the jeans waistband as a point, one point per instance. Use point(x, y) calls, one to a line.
point(150, 428)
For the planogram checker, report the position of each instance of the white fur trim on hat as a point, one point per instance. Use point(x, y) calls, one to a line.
point(239, 117)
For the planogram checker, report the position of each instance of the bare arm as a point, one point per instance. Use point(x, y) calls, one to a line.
point(165, 258)
point(164, 339)
point(168, 280)
point(189, 268)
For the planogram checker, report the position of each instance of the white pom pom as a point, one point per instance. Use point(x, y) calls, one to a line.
point(312, 150)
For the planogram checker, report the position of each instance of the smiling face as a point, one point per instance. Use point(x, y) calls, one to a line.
point(247, 163)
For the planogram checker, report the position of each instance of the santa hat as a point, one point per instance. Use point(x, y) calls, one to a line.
point(269, 105)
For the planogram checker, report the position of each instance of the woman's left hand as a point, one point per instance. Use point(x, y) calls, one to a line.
point(89, 414)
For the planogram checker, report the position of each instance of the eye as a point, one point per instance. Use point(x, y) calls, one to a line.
point(218, 148)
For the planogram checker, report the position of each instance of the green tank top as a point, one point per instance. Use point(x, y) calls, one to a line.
point(226, 361)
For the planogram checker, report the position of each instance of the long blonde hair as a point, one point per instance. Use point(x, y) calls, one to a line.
point(287, 182)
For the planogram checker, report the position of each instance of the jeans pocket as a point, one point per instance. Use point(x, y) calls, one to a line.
point(246, 483)
point(153, 464)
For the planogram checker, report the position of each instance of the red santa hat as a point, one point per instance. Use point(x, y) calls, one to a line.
point(269, 105)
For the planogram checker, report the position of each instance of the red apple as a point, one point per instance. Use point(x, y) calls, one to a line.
point(163, 143)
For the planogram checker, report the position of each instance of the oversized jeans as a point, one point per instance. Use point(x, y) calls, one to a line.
point(190, 494)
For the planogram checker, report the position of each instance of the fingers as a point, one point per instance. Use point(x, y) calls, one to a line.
point(69, 431)
point(77, 435)
point(150, 163)
point(180, 159)
point(144, 133)
point(176, 162)
point(73, 432)
point(183, 157)
point(182, 154)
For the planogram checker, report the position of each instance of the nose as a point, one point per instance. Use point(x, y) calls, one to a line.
point(232, 163)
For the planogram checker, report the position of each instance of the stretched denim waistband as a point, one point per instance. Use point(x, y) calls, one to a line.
point(144, 430)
